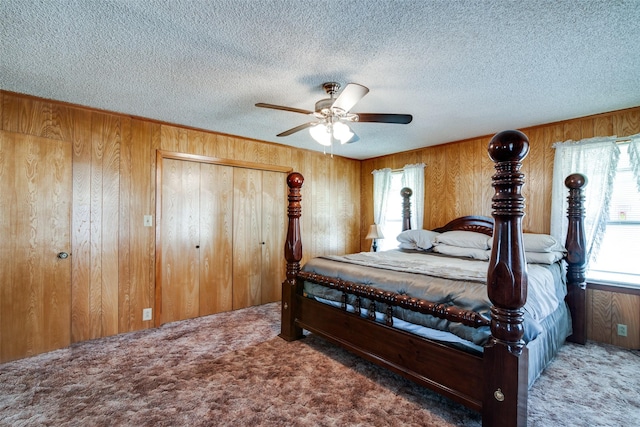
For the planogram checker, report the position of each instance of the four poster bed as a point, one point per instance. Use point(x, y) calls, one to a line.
point(470, 333)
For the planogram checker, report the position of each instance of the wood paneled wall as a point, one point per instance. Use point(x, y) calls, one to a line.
point(458, 182)
point(606, 309)
point(114, 175)
point(114, 171)
point(458, 174)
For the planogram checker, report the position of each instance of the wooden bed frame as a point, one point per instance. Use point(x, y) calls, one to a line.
point(494, 382)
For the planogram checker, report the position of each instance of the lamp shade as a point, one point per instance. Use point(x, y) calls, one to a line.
point(374, 232)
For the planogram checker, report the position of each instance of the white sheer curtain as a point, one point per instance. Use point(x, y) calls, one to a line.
point(634, 157)
point(413, 177)
point(597, 159)
point(381, 189)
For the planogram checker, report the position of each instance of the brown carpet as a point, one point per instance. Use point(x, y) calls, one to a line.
point(231, 369)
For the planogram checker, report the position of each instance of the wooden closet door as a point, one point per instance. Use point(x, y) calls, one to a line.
point(180, 240)
point(216, 238)
point(35, 212)
point(274, 214)
point(247, 242)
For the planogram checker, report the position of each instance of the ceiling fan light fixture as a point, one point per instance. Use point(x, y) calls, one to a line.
point(321, 134)
point(325, 134)
point(342, 132)
point(332, 113)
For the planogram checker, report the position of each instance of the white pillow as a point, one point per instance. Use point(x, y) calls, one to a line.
point(475, 253)
point(463, 239)
point(543, 257)
point(539, 243)
point(421, 239)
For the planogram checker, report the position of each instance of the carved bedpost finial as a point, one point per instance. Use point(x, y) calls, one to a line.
point(509, 146)
point(507, 274)
point(406, 194)
point(576, 240)
point(576, 245)
point(295, 180)
point(575, 181)
point(293, 244)
point(505, 396)
point(292, 254)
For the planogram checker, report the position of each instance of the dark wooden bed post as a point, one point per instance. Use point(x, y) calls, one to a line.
point(576, 258)
point(293, 254)
point(406, 193)
point(505, 357)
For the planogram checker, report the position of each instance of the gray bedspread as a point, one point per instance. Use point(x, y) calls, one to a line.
point(451, 281)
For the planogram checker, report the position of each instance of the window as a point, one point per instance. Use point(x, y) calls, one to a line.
point(612, 204)
point(393, 219)
point(617, 259)
point(387, 201)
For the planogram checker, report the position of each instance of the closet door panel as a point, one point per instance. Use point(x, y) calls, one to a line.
point(180, 239)
point(247, 243)
point(216, 238)
point(273, 234)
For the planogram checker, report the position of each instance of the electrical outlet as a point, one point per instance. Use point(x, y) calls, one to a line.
point(622, 330)
point(148, 220)
point(147, 314)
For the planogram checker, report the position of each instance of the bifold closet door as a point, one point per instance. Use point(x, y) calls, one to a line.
point(247, 237)
point(197, 239)
point(216, 238)
point(221, 238)
point(274, 216)
point(180, 240)
point(35, 250)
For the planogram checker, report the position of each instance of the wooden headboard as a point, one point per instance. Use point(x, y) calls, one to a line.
point(479, 224)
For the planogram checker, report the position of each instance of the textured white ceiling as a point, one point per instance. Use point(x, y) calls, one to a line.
point(463, 68)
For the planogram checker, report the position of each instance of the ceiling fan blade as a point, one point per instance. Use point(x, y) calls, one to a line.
point(402, 119)
point(280, 107)
point(350, 96)
point(297, 129)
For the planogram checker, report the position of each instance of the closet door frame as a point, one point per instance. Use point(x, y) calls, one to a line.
point(160, 156)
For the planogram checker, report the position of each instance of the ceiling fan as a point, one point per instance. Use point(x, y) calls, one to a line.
point(332, 115)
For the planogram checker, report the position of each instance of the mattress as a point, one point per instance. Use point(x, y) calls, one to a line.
point(460, 282)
